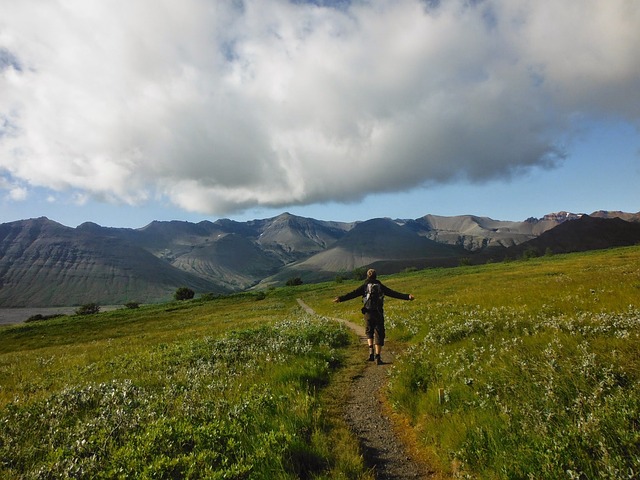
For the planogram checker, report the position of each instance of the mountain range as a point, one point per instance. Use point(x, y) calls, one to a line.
point(44, 263)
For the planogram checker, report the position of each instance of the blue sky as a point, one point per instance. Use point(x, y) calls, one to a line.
point(149, 110)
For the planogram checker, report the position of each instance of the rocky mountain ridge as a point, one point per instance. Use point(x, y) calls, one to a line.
point(44, 263)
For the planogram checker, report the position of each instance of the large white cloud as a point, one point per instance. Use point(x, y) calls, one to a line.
point(220, 106)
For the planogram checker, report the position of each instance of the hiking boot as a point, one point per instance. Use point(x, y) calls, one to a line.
point(371, 357)
point(379, 360)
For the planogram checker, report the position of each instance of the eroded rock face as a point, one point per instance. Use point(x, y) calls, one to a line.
point(43, 263)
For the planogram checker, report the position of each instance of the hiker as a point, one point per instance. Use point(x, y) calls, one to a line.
point(372, 292)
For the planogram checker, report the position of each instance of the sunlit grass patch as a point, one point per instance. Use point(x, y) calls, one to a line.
point(518, 370)
point(243, 404)
point(547, 396)
point(537, 362)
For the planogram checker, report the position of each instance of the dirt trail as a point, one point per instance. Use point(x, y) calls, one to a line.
point(369, 419)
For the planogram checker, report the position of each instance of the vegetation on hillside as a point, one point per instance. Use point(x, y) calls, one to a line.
point(242, 404)
point(511, 370)
point(523, 370)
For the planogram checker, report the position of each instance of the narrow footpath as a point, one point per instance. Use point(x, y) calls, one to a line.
point(369, 418)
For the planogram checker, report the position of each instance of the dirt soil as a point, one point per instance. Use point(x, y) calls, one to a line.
point(370, 418)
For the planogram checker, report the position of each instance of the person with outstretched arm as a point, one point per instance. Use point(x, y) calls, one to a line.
point(373, 291)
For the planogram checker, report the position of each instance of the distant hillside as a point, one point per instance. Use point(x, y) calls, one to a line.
point(585, 233)
point(233, 261)
point(43, 263)
point(477, 233)
point(368, 243)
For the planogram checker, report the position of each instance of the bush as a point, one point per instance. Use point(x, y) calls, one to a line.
point(184, 293)
point(132, 305)
point(88, 309)
point(360, 273)
point(292, 282)
point(209, 297)
point(464, 262)
point(38, 317)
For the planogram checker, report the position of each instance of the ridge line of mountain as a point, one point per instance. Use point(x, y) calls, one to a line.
point(44, 263)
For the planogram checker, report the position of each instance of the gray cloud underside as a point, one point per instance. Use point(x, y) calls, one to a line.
point(220, 106)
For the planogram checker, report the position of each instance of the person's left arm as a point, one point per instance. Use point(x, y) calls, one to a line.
point(392, 293)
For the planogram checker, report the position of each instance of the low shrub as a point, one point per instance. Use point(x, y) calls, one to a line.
point(88, 309)
point(294, 282)
point(184, 293)
point(39, 317)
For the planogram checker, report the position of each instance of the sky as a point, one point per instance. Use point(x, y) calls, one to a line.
point(122, 112)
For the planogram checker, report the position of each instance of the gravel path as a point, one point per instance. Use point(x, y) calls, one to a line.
point(368, 417)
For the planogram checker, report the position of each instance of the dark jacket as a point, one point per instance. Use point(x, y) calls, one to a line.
point(359, 292)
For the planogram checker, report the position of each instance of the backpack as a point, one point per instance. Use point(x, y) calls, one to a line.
point(373, 298)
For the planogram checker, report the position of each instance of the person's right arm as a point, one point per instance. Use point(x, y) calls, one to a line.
point(358, 292)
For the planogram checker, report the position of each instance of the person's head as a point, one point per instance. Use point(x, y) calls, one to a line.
point(371, 274)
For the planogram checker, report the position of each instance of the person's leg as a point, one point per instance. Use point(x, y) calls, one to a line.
point(369, 332)
point(379, 339)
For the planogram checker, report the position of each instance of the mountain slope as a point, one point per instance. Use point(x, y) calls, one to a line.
point(233, 255)
point(629, 217)
point(43, 263)
point(477, 233)
point(165, 240)
point(585, 233)
point(232, 261)
point(368, 243)
point(297, 237)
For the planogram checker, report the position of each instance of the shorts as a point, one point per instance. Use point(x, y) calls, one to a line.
point(374, 327)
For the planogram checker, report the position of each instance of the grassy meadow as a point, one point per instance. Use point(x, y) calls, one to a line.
point(527, 369)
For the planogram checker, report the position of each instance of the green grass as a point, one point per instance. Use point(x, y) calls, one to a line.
point(221, 389)
point(537, 361)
